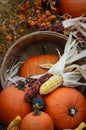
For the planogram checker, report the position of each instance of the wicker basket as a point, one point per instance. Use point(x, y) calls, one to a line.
point(29, 45)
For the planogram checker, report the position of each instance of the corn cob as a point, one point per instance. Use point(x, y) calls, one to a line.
point(34, 89)
point(15, 124)
point(51, 84)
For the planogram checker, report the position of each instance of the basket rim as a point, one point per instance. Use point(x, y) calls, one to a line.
point(30, 35)
point(23, 38)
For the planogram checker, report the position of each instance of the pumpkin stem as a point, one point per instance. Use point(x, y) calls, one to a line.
point(37, 104)
point(21, 85)
point(72, 111)
point(44, 49)
point(36, 110)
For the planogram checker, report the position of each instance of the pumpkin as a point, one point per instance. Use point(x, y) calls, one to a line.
point(37, 122)
point(12, 104)
point(73, 7)
point(32, 65)
point(67, 107)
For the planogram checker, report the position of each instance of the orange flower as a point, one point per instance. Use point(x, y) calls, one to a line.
point(22, 17)
point(31, 23)
point(9, 37)
point(48, 13)
point(12, 22)
point(27, 4)
point(21, 8)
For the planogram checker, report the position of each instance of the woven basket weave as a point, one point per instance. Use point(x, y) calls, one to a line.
point(29, 45)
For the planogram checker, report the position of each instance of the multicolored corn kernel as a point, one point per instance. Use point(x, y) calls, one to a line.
point(34, 89)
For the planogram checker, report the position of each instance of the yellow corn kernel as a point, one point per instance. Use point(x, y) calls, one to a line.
point(51, 84)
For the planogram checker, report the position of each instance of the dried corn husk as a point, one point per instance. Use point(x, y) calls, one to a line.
point(65, 64)
point(10, 75)
point(72, 21)
point(75, 25)
point(65, 67)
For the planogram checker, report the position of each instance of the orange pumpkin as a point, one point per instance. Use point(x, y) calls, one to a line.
point(31, 65)
point(12, 104)
point(37, 122)
point(67, 107)
point(73, 7)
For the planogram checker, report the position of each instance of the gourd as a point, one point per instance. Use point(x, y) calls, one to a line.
point(15, 124)
point(67, 107)
point(32, 65)
point(12, 104)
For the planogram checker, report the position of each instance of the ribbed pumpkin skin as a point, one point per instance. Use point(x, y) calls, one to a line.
point(57, 105)
point(12, 104)
point(31, 65)
point(40, 122)
point(73, 7)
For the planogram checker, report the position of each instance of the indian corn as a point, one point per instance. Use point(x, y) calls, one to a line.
point(51, 84)
point(34, 89)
